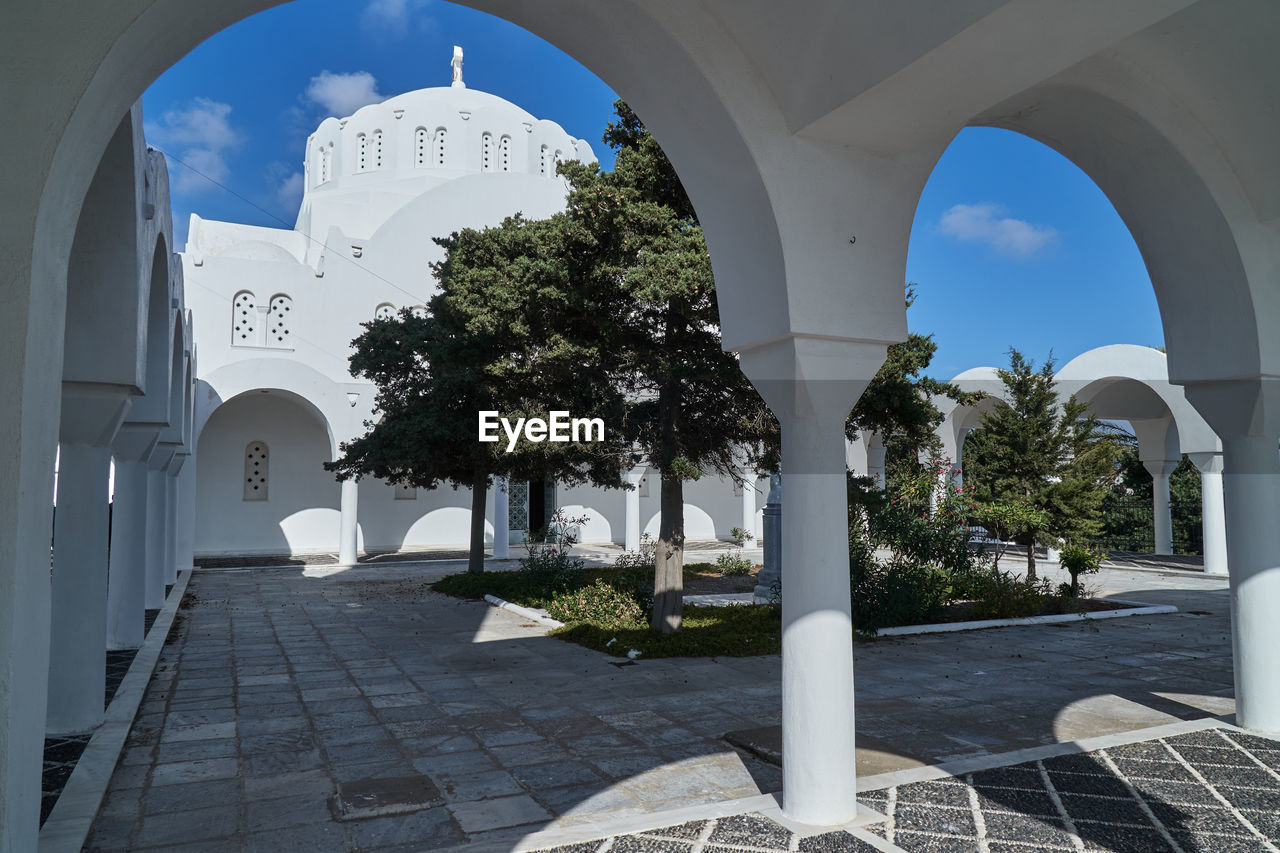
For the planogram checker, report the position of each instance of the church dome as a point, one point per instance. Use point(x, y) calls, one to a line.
point(431, 135)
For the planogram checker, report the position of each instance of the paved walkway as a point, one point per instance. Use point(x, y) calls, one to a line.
point(289, 696)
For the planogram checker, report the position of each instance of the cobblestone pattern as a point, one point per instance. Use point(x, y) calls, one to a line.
point(1214, 791)
point(751, 833)
point(60, 757)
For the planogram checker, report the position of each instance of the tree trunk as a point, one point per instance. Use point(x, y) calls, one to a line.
point(1031, 559)
point(668, 576)
point(479, 492)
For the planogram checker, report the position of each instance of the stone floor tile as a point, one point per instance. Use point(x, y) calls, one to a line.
point(499, 812)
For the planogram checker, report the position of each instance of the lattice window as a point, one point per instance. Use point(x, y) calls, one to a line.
point(418, 311)
point(504, 154)
point(385, 311)
point(439, 145)
point(406, 493)
point(420, 148)
point(279, 321)
point(322, 164)
point(244, 319)
point(486, 152)
point(362, 152)
point(377, 149)
point(518, 505)
point(255, 471)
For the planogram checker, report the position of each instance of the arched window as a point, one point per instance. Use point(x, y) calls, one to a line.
point(326, 163)
point(385, 311)
point(278, 323)
point(255, 471)
point(438, 154)
point(362, 152)
point(377, 149)
point(504, 154)
point(244, 320)
point(418, 311)
point(486, 152)
point(544, 161)
point(420, 146)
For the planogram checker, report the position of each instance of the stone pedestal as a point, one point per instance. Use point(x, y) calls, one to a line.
point(768, 581)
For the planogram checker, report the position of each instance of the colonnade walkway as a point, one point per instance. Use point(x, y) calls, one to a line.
point(292, 707)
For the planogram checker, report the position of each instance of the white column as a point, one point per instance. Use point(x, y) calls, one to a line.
point(634, 476)
point(172, 497)
point(501, 518)
point(347, 524)
point(186, 529)
point(818, 762)
point(153, 585)
point(1160, 470)
point(126, 581)
point(875, 459)
point(1251, 485)
point(1213, 512)
point(78, 635)
point(749, 503)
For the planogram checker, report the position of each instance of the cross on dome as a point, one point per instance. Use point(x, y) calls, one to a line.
point(457, 67)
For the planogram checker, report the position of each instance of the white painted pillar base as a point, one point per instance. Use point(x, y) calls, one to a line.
point(78, 629)
point(1251, 484)
point(1213, 512)
point(501, 518)
point(1163, 520)
point(811, 385)
point(347, 523)
point(632, 540)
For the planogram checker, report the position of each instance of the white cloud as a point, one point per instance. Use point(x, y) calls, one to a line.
point(200, 136)
point(289, 191)
point(343, 94)
point(392, 16)
point(984, 223)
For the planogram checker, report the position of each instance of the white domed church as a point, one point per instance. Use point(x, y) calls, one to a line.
point(275, 312)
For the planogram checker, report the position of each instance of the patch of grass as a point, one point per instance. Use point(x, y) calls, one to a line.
point(515, 586)
point(728, 631)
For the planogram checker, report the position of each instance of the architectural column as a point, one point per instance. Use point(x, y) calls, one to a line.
point(1163, 520)
point(501, 518)
point(811, 384)
point(186, 529)
point(632, 541)
point(1213, 512)
point(173, 495)
point(875, 459)
point(91, 414)
point(126, 577)
point(348, 540)
point(157, 522)
point(771, 541)
point(749, 503)
point(1246, 416)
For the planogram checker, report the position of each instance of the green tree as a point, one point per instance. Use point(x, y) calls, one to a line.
point(493, 340)
point(637, 260)
point(1032, 452)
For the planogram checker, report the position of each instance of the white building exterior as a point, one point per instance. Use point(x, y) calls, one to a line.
point(275, 311)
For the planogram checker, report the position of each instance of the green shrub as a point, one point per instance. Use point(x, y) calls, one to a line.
point(740, 536)
point(599, 604)
point(1002, 595)
point(898, 592)
point(550, 566)
point(1079, 560)
point(733, 564)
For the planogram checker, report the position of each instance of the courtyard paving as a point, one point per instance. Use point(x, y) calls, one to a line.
point(291, 706)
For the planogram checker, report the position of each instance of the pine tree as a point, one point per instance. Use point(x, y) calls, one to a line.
point(1031, 452)
point(493, 339)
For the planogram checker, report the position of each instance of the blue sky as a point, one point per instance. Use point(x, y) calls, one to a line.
point(1012, 244)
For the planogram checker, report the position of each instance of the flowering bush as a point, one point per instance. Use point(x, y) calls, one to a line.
point(598, 604)
point(550, 564)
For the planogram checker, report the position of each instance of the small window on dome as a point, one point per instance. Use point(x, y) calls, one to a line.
point(255, 471)
point(418, 311)
point(544, 161)
point(279, 322)
point(420, 148)
point(504, 154)
point(438, 144)
point(486, 152)
point(385, 311)
point(377, 149)
point(362, 152)
point(244, 320)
